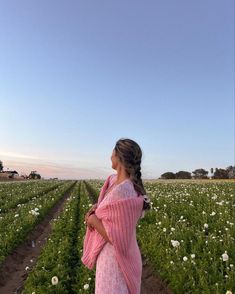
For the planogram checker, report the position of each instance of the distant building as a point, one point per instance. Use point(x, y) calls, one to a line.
point(10, 174)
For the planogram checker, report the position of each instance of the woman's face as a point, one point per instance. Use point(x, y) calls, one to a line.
point(115, 160)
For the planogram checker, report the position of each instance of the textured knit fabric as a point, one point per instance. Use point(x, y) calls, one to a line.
point(119, 218)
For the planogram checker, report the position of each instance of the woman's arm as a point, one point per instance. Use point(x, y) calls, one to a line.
point(91, 211)
point(97, 224)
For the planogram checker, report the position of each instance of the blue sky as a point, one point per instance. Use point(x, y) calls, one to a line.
point(75, 76)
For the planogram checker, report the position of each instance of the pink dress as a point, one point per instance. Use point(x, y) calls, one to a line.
point(109, 277)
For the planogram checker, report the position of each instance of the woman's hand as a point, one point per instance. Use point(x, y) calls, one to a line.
point(91, 211)
point(98, 226)
point(90, 218)
point(86, 221)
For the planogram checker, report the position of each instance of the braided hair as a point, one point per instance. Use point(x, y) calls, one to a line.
point(130, 154)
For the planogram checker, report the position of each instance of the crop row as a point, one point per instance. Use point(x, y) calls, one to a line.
point(12, 195)
point(15, 225)
point(59, 268)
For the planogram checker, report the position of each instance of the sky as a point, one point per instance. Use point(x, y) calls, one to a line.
point(76, 76)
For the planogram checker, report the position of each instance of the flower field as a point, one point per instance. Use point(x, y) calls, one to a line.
point(188, 237)
point(17, 220)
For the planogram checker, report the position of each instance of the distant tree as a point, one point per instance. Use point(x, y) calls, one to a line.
point(183, 175)
point(212, 170)
point(1, 166)
point(221, 173)
point(200, 174)
point(168, 175)
point(231, 172)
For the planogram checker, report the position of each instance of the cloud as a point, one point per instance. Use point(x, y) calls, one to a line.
point(16, 155)
point(48, 170)
point(62, 169)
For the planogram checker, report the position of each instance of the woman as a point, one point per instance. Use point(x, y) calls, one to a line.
point(111, 273)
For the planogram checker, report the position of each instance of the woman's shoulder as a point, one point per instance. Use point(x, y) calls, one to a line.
point(112, 177)
point(124, 190)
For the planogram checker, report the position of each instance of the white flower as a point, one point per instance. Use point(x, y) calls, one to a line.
point(213, 213)
point(185, 258)
point(225, 256)
point(205, 226)
point(175, 243)
point(27, 268)
point(193, 255)
point(34, 212)
point(86, 286)
point(172, 229)
point(164, 229)
point(16, 215)
point(229, 292)
point(54, 280)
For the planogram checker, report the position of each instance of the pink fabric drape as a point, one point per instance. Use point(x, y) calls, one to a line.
point(119, 219)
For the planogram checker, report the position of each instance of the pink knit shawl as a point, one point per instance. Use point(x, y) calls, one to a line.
point(119, 219)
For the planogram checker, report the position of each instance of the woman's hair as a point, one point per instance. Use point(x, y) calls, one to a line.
point(130, 155)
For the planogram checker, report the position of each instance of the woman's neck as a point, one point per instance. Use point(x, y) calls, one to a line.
point(121, 175)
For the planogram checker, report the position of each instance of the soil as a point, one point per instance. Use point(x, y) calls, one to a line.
point(13, 271)
point(150, 282)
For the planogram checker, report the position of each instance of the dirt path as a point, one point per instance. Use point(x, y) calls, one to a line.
point(12, 271)
point(150, 282)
